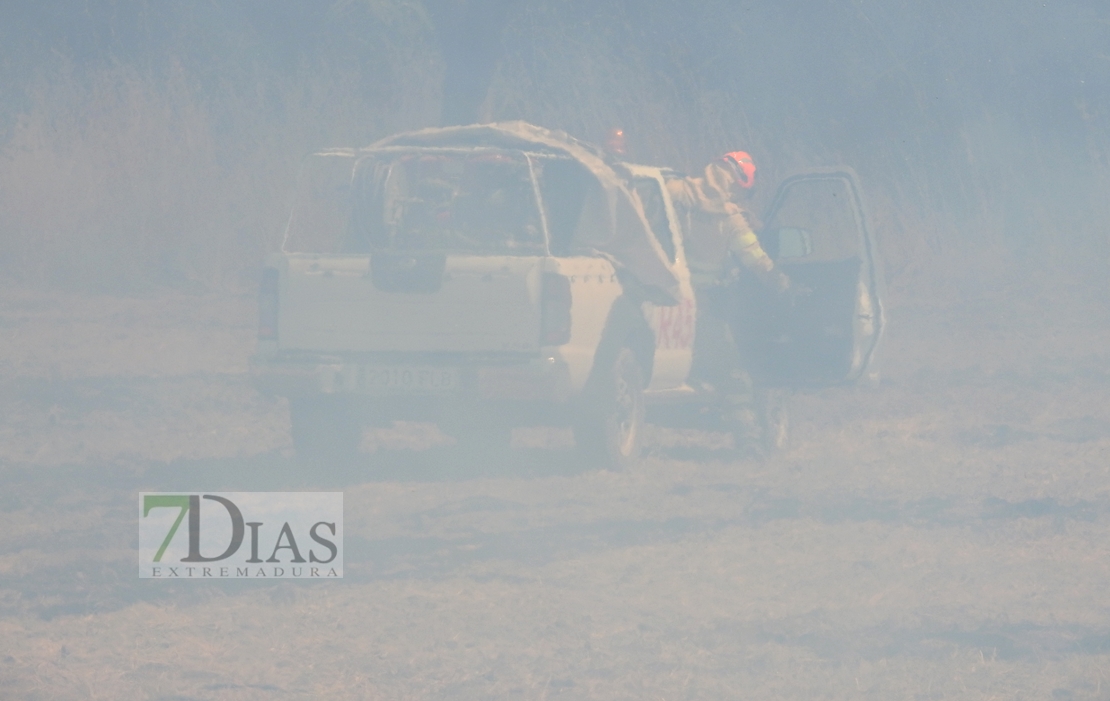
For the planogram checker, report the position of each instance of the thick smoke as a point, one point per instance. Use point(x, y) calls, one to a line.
point(980, 129)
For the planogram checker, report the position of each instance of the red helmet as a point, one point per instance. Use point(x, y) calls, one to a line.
point(742, 166)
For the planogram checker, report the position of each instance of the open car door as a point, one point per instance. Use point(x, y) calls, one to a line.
point(817, 232)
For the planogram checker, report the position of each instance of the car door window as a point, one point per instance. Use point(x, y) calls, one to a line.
point(651, 196)
point(823, 208)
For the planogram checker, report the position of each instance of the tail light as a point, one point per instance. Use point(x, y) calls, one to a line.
point(268, 306)
point(555, 315)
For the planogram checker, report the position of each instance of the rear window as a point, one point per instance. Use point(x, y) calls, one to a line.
point(452, 202)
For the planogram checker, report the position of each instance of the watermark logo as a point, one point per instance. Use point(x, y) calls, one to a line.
point(241, 535)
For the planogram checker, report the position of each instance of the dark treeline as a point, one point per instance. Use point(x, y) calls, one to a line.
point(979, 128)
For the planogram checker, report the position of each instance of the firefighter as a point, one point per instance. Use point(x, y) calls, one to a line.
point(719, 233)
point(719, 226)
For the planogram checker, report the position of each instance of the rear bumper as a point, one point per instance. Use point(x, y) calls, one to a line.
point(532, 379)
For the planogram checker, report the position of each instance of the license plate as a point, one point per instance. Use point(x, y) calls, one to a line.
point(408, 378)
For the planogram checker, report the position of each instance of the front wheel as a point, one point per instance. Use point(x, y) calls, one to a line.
point(609, 428)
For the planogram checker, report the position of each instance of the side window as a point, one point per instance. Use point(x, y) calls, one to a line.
point(656, 211)
point(824, 209)
point(564, 185)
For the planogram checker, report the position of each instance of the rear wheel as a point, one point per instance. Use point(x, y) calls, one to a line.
point(610, 426)
point(326, 429)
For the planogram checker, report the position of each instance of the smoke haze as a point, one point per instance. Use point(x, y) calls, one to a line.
point(979, 128)
point(944, 534)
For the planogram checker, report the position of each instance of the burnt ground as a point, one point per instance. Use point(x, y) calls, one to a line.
point(945, 535)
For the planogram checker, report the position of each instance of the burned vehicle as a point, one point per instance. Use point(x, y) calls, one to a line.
point(488, 276)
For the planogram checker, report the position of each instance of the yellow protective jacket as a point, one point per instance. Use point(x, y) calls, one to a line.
point(719, 226)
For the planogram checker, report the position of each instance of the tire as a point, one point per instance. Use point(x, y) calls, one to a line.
point(610, 426)
point(326, 430)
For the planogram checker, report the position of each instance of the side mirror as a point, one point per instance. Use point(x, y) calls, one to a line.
point(788, 242)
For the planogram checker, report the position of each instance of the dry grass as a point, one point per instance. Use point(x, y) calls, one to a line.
point(116, 178)
point(124, 180)
point(944, 536)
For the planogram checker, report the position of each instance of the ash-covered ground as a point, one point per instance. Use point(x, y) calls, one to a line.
point(945, 535)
